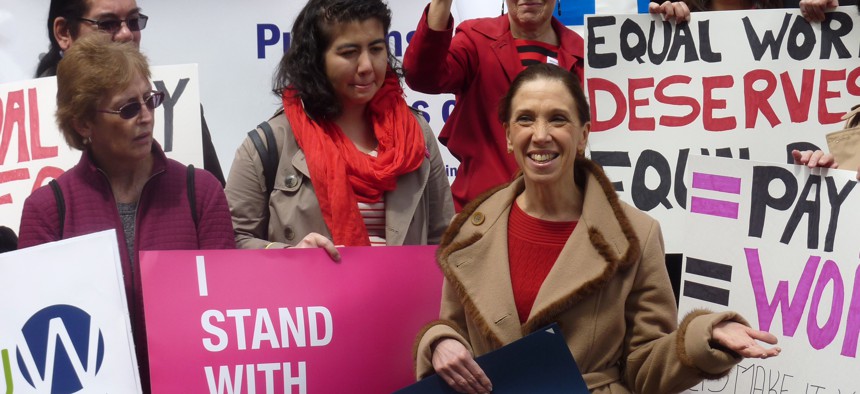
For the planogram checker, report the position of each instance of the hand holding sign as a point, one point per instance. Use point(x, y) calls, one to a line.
point(818, 158)
point(314, 240)
point(813, 10)
point(814, 159)
point(679, 12)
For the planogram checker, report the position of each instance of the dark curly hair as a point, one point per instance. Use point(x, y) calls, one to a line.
point(70, 10)
point(302, 68)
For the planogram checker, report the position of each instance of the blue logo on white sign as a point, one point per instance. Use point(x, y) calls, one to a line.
point(64, 350)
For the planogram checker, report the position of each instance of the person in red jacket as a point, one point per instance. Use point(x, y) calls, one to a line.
point(123, 181)
point(477, 65)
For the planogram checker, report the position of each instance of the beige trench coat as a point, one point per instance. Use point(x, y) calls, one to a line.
point(416, 212)
point(609, 291)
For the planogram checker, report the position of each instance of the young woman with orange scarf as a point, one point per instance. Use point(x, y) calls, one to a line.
point(356, 166)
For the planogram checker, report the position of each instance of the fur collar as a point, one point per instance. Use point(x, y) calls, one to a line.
point(609, 231)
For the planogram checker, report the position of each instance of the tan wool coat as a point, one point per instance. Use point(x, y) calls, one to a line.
point(416, 212)
point(608, 291)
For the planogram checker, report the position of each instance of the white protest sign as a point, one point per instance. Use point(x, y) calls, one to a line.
point(64, 324)
point(33, 151)
point(778, 244)
point(748, 84)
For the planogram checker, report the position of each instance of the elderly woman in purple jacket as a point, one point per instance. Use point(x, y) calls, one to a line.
point(123, 181)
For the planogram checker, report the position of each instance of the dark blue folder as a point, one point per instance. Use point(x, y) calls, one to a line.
point(537, 363)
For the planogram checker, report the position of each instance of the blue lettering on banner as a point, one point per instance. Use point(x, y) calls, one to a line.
point(270, 35)
point(58, 346)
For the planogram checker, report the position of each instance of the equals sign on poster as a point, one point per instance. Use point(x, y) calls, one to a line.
point(716, 183)
point(708, 269)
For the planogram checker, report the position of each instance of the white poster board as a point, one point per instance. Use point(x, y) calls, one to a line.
point(64, 324)
point(778, 244)
point(745, 84)
point(33, 151)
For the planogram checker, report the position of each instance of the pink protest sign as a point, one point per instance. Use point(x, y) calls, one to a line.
point(287, 321)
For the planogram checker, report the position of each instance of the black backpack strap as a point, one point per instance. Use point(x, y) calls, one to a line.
point(268, 153)
point(192, 195)
point(61, 204)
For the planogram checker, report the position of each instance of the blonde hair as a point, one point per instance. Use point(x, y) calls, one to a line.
point(93, 68)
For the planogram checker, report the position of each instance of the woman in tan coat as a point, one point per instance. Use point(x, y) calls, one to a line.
point(356, 166)
point(556, 245)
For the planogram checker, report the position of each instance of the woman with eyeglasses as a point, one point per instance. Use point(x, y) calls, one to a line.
point(355, 165)
point(123, 181)
point(69, 20)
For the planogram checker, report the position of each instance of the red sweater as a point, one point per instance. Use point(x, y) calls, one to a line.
point(533, 247)
point(163, 221)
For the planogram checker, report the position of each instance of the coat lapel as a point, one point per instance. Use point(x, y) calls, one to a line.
point(478, 268)
point(503, 45)
point(474, 257)
point(568, 39)
point(401, 203)
point(581, 268)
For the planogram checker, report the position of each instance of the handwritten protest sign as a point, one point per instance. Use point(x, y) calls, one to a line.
point(778, 244)
point(64, 324)
point(285, 321)
point(750, 84)
point(33, 151)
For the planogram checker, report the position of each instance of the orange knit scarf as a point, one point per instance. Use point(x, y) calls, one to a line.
point(341, 174)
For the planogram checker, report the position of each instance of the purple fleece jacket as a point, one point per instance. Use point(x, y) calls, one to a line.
point(163, 221)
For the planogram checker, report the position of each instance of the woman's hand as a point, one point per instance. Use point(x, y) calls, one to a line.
point(814, 159)
point(456, 366)
point(314, 240)
point(817, 159)
point(813, 10)
point(438, 14)
point(678, 11)
point(743, 340)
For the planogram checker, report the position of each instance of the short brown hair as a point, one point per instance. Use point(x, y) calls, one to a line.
point(94, 67)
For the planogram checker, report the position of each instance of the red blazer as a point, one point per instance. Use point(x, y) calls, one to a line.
point(480, 62)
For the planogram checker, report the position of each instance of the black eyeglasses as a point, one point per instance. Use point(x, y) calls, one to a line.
point(131, 110)
point(112, 25)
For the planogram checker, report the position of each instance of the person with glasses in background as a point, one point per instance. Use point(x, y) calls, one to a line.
point(69, 20)
point(123, 181)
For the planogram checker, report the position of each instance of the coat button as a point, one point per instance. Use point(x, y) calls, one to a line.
point(478, 218)
point(289, 234)
point(292, 181)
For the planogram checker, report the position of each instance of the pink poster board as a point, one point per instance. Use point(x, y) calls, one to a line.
point(287, 321)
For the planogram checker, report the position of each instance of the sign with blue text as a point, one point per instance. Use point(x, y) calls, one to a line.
point(778, 244)
point(64, 325)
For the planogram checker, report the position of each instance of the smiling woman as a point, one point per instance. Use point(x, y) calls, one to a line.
point(355, 165)
point(556, 245)
point(123, 181)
